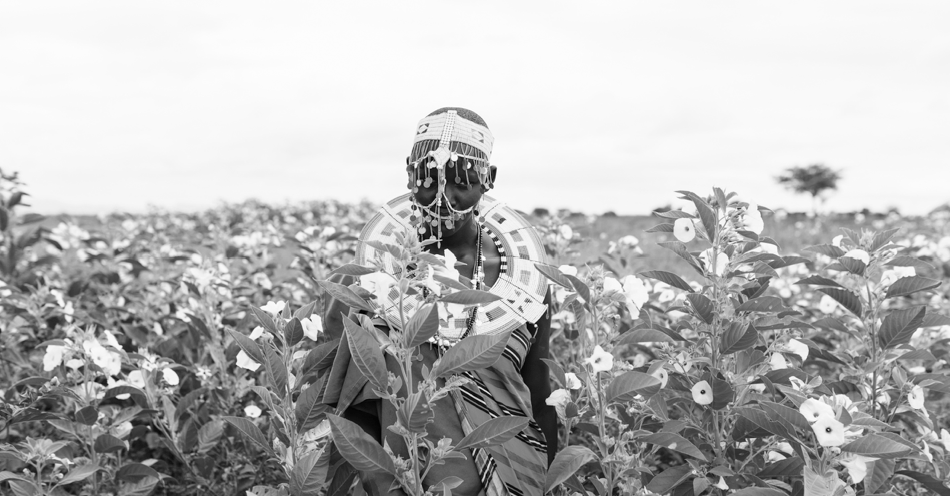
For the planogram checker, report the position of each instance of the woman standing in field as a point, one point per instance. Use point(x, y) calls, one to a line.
point(449, 174)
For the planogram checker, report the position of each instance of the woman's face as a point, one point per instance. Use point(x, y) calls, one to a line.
point(462, 190)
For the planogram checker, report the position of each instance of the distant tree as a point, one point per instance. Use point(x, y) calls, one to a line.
point(815, 179)
point(541, 212)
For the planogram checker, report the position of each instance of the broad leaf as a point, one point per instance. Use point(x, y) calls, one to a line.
point(209, 435)
point(554, 274)
point(827, 250)
point(107, 443)
point(470, 297)
point(706, 213)
point(767, 304)
point(79, 473)
point(293, 332)
point(879, 472)
point(345, 295)
point(668, 278)
point(423, 325)
point(354, 270)
point(308, 475)
point(250, 348)
point(251, 432)
point(680, 249)
point(674, 442)
point(789, 467)
point(276, 371)
point(495, 431)
point(308, 409)
point(358, 448)
point(565, 464)
point(819, 281)
point(702, 306)
point(930, 482)
point(472, 353)
point(366, 354)
point(737, 338)
point(631, 383)
point(910, 285)
point(635, 336)
point(876, 446)
point(899, 326)
point(821, 484)
point(669, 478)
point(135, 471)
point(847, 299)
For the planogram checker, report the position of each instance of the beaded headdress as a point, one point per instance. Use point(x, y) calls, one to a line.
point(447, 141)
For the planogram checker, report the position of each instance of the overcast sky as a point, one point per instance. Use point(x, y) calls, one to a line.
point(595, 106)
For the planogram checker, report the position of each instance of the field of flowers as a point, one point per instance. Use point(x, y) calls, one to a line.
point(718, 349)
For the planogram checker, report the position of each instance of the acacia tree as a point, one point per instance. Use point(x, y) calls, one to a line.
point(815, 179)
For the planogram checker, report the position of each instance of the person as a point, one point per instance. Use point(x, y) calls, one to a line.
point(449, 175)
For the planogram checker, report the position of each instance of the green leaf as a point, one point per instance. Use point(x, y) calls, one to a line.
point(415, 413)
point(827, 250)
point(790, 415)
point(669, 478)
point(470, 297)
point(565, 464)
point(87, 415)
point(882, 238)
point(358, 448)
point(854, 266)
point(306, 311)
point(345, 295)
point(79, 473)
point(929, 481)
point(679, 248)
point(318, 359)
point(276, 371)
point(209, 435)
point(821, 484)
point(309, 474)
point(876, 446)
point(423, 325)
point(631, 383)
point(702, 306)
point(660, 228)
point(354, 270)
point(766, 304)
point(635, 336)
point(107, 443)
point(267, 321)
point(142, 487)
point(135, 471)
point(673, 214)
point(10, 476)
point(308, 409)
point(493, 432)
point(137, 394)
point(668, 278)
point(471, 353)
point(582, 290)
point(910, 285)
point(899, 326)
point(819, 281)
point(789, 467)
point(879, 472)
point(737, 338)
point(723, 394)
point(554, 275)
point(847, 299)
point(758, 491)
point(366, 354)
point(706, 213)
point(251, 432)
point(293, 332)
point(674, 442)
point(251, 349)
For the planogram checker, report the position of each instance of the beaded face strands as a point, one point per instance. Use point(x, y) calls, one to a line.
point(462, 146)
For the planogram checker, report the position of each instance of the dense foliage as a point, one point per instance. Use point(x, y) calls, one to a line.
point(184, 353)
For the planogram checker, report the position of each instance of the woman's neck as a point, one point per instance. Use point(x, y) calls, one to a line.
point(462, 240)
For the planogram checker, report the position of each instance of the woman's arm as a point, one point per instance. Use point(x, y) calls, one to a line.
point(535, 375)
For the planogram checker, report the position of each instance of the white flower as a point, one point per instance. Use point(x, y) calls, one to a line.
point(558, 398)
point(892, 275)
point(945, 439)
point(256, 333)
point(916, 398)
point(321, 431)
point(827, 304)
point(799, 348)
point(836, 241)
point(752, 220)
point(828, 431)
point(858, 254)
point(612, 285)
point(273, 307)
point(312, 327)
point(122, 430)
point(53, 357)
point(600, 360)
point(170, 376)
point(662, 375)
point(565, 231)
point(777, 362)
point(107, 360)
point(449, 270)
point(628, 241)
point(252, 411)
point(856, 465)
point(722, 261)
point(571, 381)
point(769, 248)
point(568, 270)
point(722, 484)
point(378, 283)
point(684, 230)
point(136, 379)
point(246, 362)
point(702, 393)
point(813, 409)
point(635, 293)
point(110, 340)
